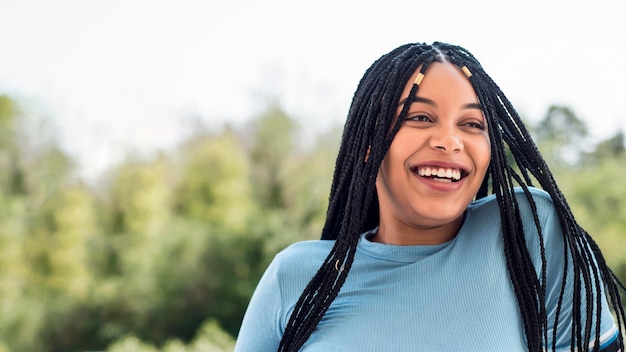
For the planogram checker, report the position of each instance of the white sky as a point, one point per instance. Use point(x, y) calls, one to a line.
point(126, 75)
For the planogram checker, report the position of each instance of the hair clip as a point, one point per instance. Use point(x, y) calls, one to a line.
point(467, 72)
point(419, 78)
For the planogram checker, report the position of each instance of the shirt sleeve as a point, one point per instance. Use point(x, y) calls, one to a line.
point(260, 329)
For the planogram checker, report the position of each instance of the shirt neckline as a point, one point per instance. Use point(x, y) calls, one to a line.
point(406, 254)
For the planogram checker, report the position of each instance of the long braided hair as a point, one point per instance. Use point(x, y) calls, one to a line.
point(353, 208)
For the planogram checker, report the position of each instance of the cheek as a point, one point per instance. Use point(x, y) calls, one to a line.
point(482, 154)
point(387, 166)
point(393, 163)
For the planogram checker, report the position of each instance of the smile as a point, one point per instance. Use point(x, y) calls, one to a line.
point(439, 174)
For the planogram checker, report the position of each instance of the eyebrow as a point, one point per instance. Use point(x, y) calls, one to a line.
point(432, 103)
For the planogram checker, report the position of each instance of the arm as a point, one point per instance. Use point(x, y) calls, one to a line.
point(611, 347)
point(260, 329)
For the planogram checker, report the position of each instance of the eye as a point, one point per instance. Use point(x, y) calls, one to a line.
point(475, 124)
point(419, 118)
point(478, 125)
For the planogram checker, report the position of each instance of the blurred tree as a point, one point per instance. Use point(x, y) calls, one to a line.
point(43, 266)
point(215, 196)
point(612, 147)
point(57, 245)
point(18, 318)
point(210, 338)
point(292, 180)
point(562, 136)
point(214, 186)
point(137, 211)
point(140, 198)
point(8, 117)
point(12, 178)
point(13, 269)
point(271, 143)
point(307, 179)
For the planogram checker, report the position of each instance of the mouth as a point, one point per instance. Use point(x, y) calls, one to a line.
point(440, 174)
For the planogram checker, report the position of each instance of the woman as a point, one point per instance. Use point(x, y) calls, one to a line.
point(434, 238)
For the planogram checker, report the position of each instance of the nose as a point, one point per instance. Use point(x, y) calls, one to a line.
point(446, 141)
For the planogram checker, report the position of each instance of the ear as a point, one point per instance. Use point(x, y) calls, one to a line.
point(367, 154)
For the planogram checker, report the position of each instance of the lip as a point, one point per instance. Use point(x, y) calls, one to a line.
point(438, 186)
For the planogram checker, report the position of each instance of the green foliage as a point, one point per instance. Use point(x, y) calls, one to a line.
point(215, 187)
point(64, 223)
point(210, 338)
point(165, 253)
point(613, 147)
point(12, 177)
point(599, 202)
point(561, 135)
point(272, 138)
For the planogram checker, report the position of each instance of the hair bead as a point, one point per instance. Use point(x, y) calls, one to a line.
point(418, 79)
point(467, 72)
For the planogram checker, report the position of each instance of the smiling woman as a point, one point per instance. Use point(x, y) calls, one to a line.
point(416, 254)
point(444, 134)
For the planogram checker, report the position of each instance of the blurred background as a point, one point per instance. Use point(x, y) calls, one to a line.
point(155, 155)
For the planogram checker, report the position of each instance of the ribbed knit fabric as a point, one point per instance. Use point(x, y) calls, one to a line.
point(448, 297)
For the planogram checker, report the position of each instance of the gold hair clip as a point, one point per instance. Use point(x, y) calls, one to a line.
point(467, 72)
point(419, 78)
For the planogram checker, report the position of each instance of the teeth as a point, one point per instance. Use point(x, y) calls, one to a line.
point(440, 173)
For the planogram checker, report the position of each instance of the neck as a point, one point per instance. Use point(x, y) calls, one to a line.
point(402, 234)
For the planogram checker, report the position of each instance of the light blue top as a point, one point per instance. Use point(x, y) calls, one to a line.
point(448, 297)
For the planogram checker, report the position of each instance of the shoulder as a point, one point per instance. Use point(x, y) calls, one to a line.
point(536, 214)
point(540, 198)
point(536, 200)
point(306, 251)
point(277, 293)
point(295, 265)
point(536, 194)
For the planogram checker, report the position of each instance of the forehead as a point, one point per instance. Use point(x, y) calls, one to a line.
point(441, 78)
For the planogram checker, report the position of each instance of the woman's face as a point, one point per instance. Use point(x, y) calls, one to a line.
point(436, 162)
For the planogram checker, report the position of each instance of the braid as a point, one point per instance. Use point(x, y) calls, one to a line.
point(353, 205)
